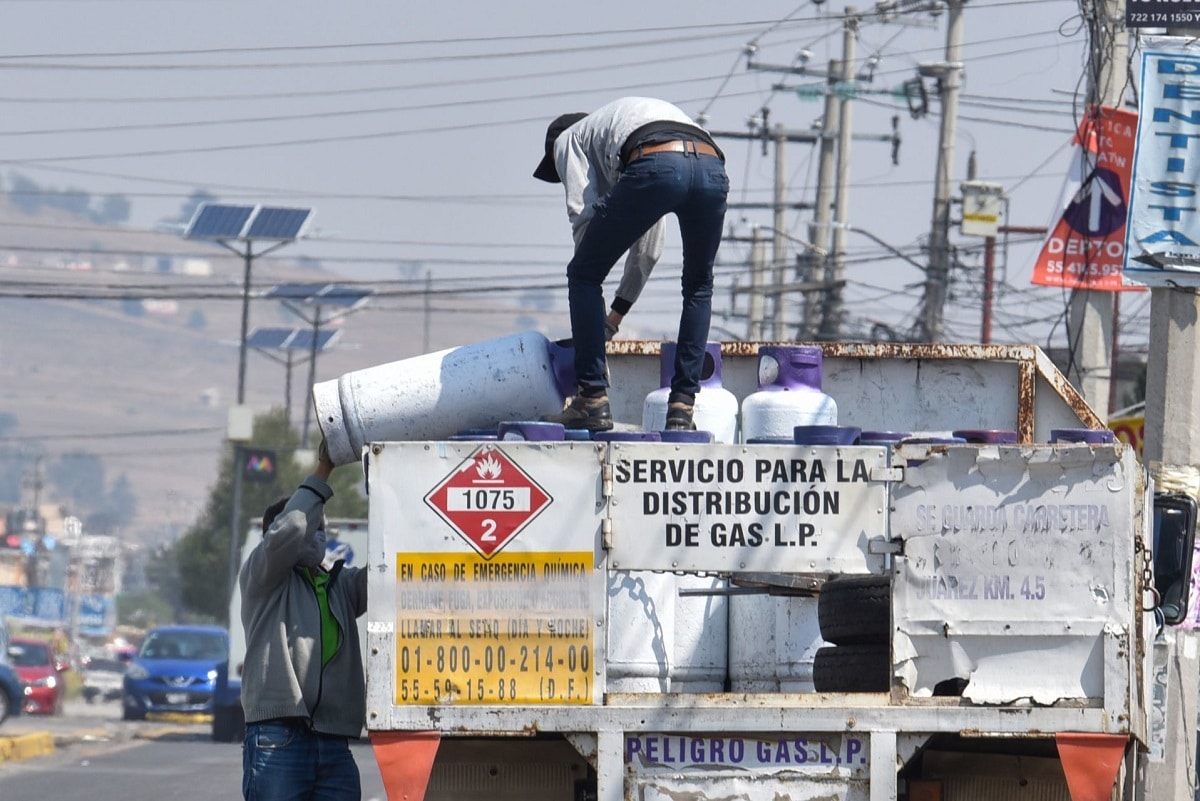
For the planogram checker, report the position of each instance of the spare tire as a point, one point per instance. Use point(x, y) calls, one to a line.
point(853, 669)
point(856, 610)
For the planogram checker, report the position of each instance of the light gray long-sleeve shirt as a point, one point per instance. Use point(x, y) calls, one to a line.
point(588, 158)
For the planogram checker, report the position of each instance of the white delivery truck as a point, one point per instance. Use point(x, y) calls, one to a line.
point(346, 540)
point(922, 618)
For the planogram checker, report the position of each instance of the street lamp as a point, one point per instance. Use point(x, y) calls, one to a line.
point(290, 341)
point(237, 228)
point(296, 297)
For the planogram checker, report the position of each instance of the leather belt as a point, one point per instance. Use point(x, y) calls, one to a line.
point(676, 146)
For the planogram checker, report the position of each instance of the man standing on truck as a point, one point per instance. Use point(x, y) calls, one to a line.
point(303, 689)
point(625, 167)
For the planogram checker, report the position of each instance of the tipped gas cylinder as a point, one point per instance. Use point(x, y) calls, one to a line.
point(434, 396)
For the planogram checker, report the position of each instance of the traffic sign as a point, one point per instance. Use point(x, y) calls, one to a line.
point(488, 500)
point(1085, 248)
point(258, 465)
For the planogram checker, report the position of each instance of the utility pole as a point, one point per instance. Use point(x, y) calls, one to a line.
point(949, 77)
point(758, 253)
point(1090, 314)
point(989, 275)
point(1171, 451)
point(780, 136)
point(428, 309)
point(839, 93)
point(831, 308)
point(818, 229)
point(778, 243)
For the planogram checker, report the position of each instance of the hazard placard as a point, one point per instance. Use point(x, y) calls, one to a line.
point(487, 583)
point(488, 499)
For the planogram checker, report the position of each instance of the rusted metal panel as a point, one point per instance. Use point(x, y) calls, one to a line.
point(1016, 558)
point(1026, 388)
point(928, 388)
point(1067, 392)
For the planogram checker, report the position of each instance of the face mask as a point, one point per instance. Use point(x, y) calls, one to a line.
point(317, 552)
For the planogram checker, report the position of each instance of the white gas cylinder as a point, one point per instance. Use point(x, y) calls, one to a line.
point(518, 377)
point(716, 408)
point(773, 640)
point(789, 393)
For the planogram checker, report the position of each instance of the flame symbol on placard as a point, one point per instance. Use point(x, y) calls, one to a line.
point(488, 468)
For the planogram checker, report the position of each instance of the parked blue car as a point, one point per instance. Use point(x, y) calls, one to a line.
point(175, 670)
point(12, 693)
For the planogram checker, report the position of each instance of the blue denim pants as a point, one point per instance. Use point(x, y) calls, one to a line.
point(288, 762)
point(693, 187)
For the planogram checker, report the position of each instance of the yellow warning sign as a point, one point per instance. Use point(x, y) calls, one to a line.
point(512, 629)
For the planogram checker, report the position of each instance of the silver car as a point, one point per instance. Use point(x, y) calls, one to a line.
point(102, 678)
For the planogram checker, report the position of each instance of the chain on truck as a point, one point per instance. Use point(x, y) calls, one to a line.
point(975, 594)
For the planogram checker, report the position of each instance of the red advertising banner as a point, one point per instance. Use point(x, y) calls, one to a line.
point(1085, 249)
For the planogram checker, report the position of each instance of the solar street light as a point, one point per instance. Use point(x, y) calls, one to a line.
point(237, 228)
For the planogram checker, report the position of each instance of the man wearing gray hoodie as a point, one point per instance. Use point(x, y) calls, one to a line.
point(303, 690)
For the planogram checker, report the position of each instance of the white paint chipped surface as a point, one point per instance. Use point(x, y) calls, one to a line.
point(1015, 572)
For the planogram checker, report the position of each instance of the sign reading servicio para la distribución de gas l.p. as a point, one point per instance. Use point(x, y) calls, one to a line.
point(770, 508)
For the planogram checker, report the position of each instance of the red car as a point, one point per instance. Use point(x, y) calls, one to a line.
point(35, 665)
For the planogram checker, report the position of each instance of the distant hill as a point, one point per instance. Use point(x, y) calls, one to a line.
point(148, 391)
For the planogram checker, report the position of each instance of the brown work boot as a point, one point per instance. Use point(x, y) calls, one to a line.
point(592, 414)
point(679, 417)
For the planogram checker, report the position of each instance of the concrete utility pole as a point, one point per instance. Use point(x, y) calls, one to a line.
point(818, 229)
point(949, 77)
point(778, 243)
point(781, 286)
point(1090, 315)
point(1171, 450)
point(831, 308)
point(819, 284)
point(758, 258)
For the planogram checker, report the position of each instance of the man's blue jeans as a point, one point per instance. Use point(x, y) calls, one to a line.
point(288, 762)
point(694, 188)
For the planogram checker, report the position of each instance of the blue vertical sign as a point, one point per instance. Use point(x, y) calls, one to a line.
point(1162, 239)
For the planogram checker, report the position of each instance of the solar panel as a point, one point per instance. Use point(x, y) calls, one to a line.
point(294, 291)
point(278, 223)
point(291, 338)
point(321, 294)
point(270, 338)
point(221, 221)
point(341, 295)
point(304, 339)
point(217, 221)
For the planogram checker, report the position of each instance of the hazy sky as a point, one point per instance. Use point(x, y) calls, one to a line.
point(412, 129)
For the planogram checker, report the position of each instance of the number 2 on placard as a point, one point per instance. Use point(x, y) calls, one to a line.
point(489, 531)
